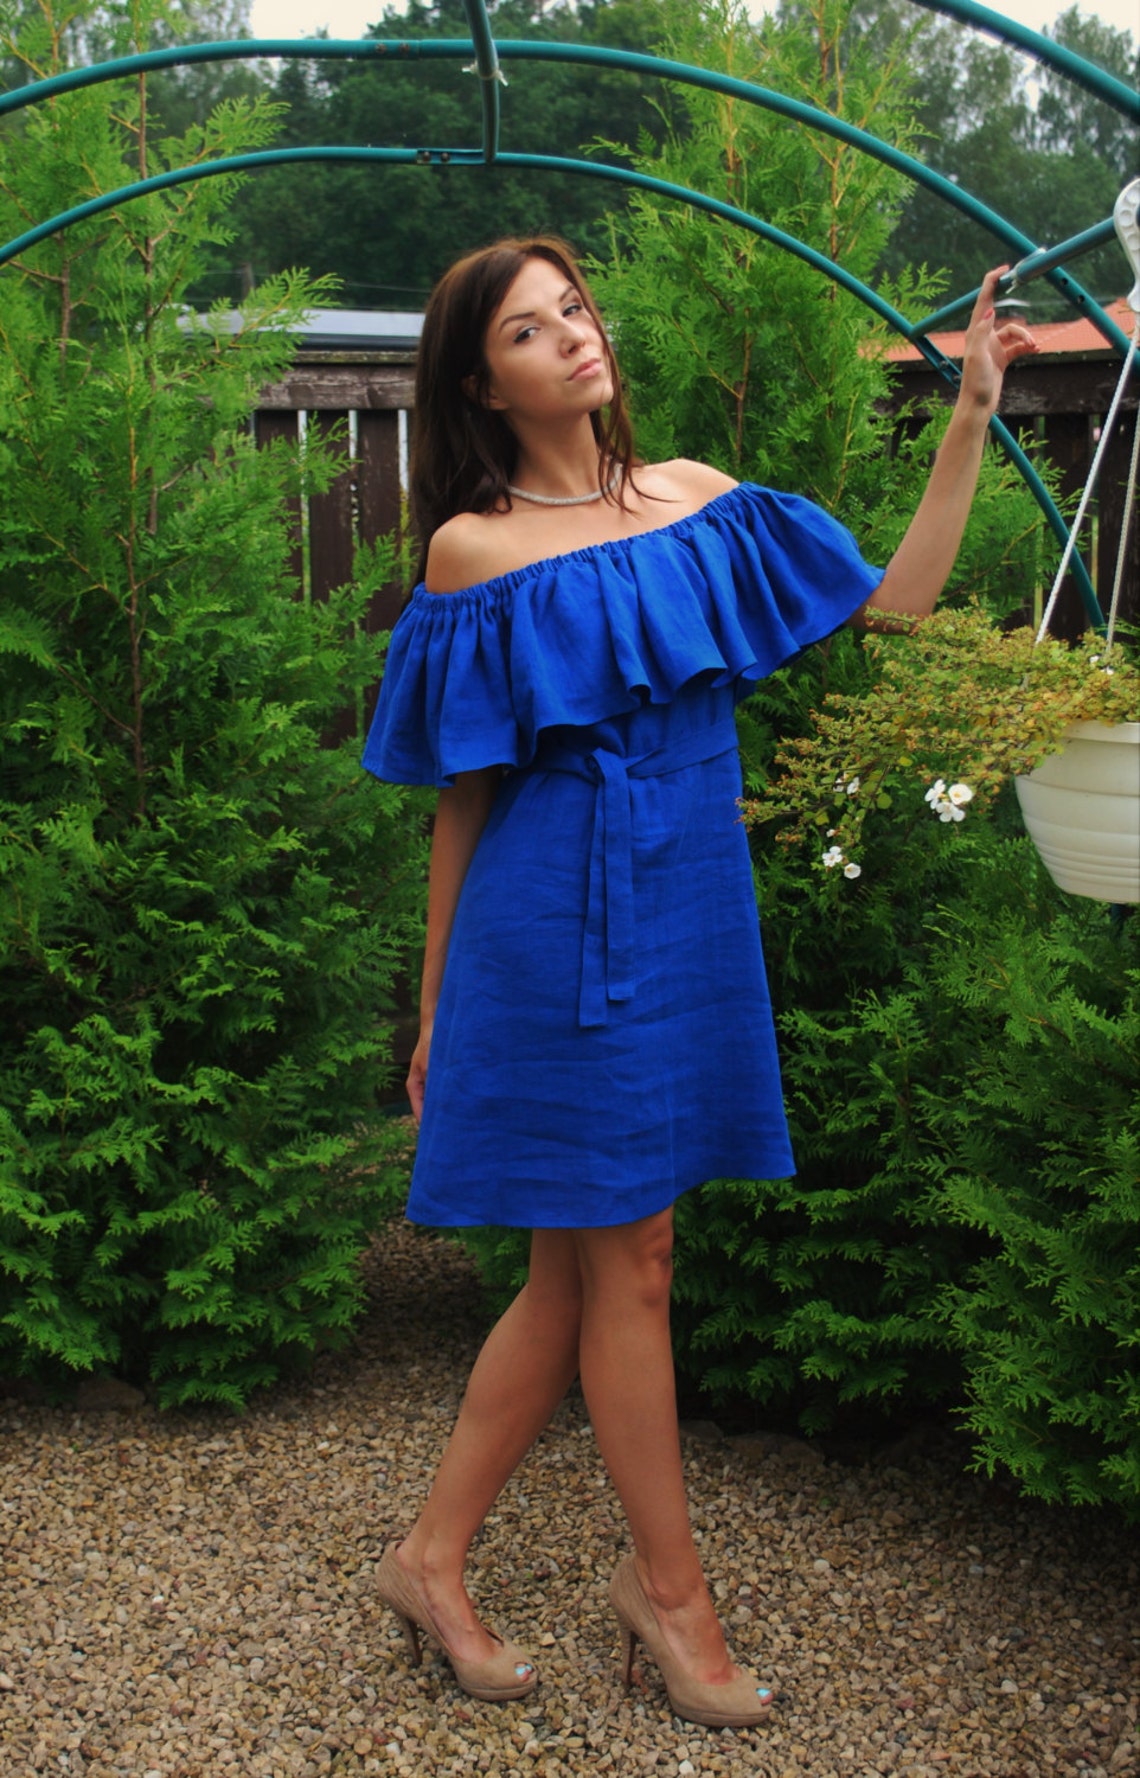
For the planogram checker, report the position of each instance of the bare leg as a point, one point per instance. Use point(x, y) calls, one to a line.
point(627, 1377)
point(527, 1363)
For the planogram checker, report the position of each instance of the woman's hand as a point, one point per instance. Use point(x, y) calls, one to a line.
point(920, 566)
point(417, 1072)
point(991, 347)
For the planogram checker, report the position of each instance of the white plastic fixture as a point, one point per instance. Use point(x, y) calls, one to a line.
point(1126, 219)
point(1082, 810)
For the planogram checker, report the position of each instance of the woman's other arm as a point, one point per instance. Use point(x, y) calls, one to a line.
point(459, 820)
point(920, 566)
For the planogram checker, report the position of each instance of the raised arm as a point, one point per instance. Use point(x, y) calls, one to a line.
point(459, 820)
point(920, 566)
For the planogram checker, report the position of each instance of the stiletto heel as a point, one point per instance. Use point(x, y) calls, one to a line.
point(741, 1704)
point(509, 1674)
point(411, 1637)
point(628, 1650)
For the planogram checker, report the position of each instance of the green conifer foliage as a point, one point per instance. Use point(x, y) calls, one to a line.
point(202, 907)
point(965, 1116)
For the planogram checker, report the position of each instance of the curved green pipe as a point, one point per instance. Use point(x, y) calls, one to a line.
point(486, 66)
point(1023, 273)
point(589, 54)
point(241, 163)
point(1096, 80)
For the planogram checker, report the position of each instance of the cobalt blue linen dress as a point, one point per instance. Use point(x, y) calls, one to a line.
point(604, 1037)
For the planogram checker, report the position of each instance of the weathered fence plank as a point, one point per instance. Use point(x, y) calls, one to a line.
point(332, 524)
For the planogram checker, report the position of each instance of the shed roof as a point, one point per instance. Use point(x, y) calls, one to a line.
point(338, 330)
point(1054, 338)
point(362, 330)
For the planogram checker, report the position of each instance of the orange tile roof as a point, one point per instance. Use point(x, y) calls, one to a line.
point(1053, 337)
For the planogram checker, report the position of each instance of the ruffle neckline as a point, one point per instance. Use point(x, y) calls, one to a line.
point(584, 554)
point(725, 595)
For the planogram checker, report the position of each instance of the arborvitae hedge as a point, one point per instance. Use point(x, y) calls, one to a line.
point(966, 1121)
point(202, 906)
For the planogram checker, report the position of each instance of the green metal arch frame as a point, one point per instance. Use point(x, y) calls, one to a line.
point(388, 50)
point(486, 66)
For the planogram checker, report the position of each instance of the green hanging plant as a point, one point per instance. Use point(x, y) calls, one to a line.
point(957, 708)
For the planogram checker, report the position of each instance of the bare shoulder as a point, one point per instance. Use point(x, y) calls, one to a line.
point(466, 549)
point(694, 483)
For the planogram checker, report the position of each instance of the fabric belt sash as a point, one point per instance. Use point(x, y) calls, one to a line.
point(607, 939)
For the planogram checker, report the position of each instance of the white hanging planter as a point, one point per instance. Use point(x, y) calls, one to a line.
point(1082, 810)
point(1082, 806)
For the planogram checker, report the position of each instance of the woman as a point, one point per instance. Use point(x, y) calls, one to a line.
point(601, 1038)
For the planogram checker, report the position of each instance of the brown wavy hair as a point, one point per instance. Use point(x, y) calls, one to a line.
point(463, 454)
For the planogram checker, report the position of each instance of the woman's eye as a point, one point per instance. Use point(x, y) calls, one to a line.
point(572, 309)
point(523, 334)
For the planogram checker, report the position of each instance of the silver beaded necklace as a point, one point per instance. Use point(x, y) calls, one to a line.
point(566, 499)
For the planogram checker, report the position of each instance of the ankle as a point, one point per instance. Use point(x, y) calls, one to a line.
point(435, 1564)
point(672, 1591)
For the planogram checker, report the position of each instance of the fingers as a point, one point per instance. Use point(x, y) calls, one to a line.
point(417, 1072)
point(984, 309)
point(984, 302)
point(1016, 340)
point(1011, 338)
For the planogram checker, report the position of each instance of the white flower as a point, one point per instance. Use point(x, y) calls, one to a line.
point(852, 870)
point(832, 856)
point(831, 832)
point(949, 804)
point(853, 787)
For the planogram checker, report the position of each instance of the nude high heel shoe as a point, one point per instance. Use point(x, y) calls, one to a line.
point(740, 1704)
point(509, 1674)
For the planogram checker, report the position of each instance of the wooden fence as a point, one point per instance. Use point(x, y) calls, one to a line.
point(1062, 398)
point(366, 399)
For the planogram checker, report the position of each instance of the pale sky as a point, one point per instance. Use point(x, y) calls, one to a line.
point(351, 18)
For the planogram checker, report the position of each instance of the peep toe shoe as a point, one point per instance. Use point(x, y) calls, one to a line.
point(740, 1704)
point(508, 1674)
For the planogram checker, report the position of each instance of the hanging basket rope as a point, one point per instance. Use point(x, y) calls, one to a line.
point(1126, 217)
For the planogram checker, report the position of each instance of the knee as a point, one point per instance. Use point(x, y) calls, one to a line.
point(654, 1261)
point(633, 1264)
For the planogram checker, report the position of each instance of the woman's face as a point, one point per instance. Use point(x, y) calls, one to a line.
point(544, 352)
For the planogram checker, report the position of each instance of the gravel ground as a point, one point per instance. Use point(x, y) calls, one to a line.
point(191, 1595)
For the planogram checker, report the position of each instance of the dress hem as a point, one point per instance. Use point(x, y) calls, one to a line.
point(422, 1219)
